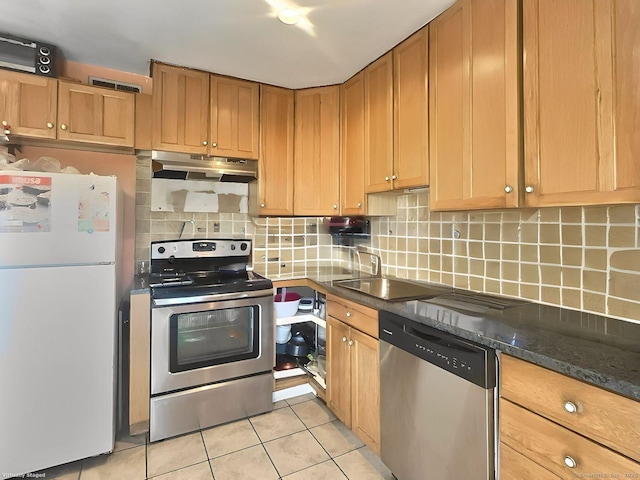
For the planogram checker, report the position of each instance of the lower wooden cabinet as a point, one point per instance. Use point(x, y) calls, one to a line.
point(515, 466)
point(353, 376)
point(139, 362)
point(553, 426)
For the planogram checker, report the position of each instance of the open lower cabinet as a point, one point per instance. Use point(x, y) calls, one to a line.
point(300, 345)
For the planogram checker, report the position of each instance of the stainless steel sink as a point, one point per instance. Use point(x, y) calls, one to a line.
point(392, 289)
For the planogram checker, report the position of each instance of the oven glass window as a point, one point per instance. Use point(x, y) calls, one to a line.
point(213, 337)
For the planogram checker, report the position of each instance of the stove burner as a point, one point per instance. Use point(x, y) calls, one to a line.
point(184, 273)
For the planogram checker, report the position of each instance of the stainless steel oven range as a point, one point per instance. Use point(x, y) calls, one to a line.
point(212, 336)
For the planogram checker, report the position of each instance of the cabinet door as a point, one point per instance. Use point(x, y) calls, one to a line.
point(352, 159)
point(365, 388)
point(410, 132)
point(235, 118)
point(338, 370)
point(276, 151)
point(317, 151)
point(552, 446)
point(180, 109)
point(581, 112)
point(378, 98)
point(28, 104)
point(95, 115)
point(515, 466)
point(473, 106)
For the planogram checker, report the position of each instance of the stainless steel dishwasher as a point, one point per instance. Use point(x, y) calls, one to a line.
point(437, 403)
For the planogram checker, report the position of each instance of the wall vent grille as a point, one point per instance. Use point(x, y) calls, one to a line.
point(115, 85)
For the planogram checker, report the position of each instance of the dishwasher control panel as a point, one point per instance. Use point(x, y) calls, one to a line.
point(473, 362)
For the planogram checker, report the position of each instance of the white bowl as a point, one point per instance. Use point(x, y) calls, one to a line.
point(288, 308)
point(283, 333)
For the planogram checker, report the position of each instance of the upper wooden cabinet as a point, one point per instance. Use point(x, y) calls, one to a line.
point(378, 107)
point(28, 104)
point(317, 151)
point(474, 123)
point(235, 118)
point(33, 107)
point(95, 115)
point(582, 102)
point(276, 151)
point(352, 158)
point(410, 112)
point(180, 109)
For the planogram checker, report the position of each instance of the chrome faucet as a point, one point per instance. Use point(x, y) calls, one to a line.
point(193, 228)
point(376, 264)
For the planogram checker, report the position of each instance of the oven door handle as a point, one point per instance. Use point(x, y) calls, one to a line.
point(218, 297)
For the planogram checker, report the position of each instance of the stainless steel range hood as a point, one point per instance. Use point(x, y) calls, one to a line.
point(202, 167)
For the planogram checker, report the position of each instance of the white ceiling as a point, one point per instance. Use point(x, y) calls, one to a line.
point(241, 38)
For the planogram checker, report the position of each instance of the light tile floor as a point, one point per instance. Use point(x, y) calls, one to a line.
point(299, 440)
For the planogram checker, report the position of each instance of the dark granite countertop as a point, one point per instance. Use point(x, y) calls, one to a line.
point(598, 350)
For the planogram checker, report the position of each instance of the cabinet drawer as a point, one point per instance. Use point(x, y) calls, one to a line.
point(603, 416)
point(551, 445)
point(353, 314)
point(515, 466)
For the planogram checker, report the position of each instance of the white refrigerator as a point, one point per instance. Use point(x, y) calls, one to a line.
point(58, 248)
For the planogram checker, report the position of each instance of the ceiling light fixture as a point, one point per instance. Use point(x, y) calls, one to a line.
point(289, 16)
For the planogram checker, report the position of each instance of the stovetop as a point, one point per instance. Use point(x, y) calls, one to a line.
point(202, 268)
point(206, 285)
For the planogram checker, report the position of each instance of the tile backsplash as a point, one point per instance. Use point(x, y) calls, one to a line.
point(281, 245)
point(580, 258)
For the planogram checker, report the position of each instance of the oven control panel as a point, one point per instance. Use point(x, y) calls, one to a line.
point(219, 247)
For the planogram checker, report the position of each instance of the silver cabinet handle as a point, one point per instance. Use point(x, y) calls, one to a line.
point(393, 177)
point(49, 125)
point(570, 407)
point(335, 206)
point(5, 123)
point(359, 204)
point(570, 462)
point(344, 339)
point(350, 342)
point(529, 189)
point(214, 144)
point(386, 178)
point(508, 189)
point(348, 314)
point(262, 205)
point(63, 127)
point(204, 143)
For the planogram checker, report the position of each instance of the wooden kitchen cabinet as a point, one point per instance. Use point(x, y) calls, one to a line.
point(378, 105)
point(28, 104)
point(139, 374)
point(410, 112)
point(563, 425)
point(317, 151)
point(474, 134)
point(235, 118)
point(180, 109)
point(581, 102)
point(515, 466)
point(275, 195)
point(95, 115)
point(353, 368)
point(352, 159)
